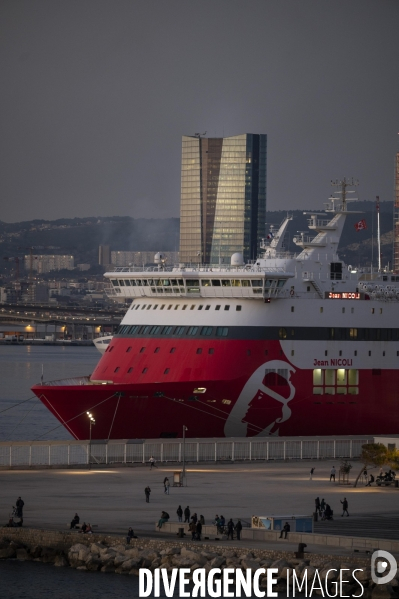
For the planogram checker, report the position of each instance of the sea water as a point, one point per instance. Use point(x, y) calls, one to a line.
point(26, 418)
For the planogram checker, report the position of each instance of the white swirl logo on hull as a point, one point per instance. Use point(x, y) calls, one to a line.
point(255, 388)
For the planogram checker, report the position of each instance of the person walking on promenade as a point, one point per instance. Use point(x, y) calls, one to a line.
point(147, 492)
point(285, 530)
point(311, 473)
point(230, 529)
point(167, 486)
point(152, 463)
point(345, 506)
point(194, 518)
point(187, 514)
point(317, 505)
point(322, 508)
point(238, 530)
point(332, 474)
point(202, 520)
point(179, 513)
point(75, 521)
point(198, 529)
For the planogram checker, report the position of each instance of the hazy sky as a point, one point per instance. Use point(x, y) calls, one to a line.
point(97, 94)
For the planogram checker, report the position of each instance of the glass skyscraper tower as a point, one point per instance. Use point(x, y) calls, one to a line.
point(223, 197)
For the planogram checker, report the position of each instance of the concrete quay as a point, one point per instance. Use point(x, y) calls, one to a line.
point(113, 499)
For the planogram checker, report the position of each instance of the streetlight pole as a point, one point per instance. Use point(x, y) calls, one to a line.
point(184, 454)
point(91, 423)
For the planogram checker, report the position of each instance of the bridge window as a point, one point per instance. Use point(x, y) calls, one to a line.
point(238, 308)
point(179, 330)
point(192, 330)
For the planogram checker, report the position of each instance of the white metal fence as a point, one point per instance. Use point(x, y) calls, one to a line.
point(75, 453)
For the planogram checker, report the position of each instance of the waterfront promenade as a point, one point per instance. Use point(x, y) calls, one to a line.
point(113, 498)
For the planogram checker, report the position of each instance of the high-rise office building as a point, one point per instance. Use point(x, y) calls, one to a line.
point(223, 197)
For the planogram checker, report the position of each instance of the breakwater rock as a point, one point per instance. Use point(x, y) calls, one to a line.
point(99, 553)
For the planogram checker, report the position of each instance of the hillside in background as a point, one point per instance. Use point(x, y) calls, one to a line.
point(81, 237)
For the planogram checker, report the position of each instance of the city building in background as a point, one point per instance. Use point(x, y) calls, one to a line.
point(104, 255)
point(223, 197)
point(396, 218)
point(43, 263)
point(142, 258)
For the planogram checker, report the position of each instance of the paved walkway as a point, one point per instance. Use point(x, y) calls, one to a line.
point(373, 525)
point(114, 499)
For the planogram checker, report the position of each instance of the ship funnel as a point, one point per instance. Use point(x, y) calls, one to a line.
point(237, 259)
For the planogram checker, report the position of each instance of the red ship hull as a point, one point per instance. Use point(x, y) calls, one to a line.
point(228, 388)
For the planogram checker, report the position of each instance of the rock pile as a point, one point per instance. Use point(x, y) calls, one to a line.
point(128, 559)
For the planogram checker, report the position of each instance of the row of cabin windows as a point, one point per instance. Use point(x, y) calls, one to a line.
point(148, 329)
point(348, 334)
point(195, 283)
point(373, 310)
point(184, 307)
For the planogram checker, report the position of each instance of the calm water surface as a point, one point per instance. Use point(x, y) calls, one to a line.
point(20, 368)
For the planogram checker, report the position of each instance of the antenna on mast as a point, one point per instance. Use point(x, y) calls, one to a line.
point(343, 191)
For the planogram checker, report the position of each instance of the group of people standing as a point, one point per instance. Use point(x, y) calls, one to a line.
point(324, 510)
point(229, 528)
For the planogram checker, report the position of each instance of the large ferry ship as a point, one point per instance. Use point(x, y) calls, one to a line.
point(287, 345)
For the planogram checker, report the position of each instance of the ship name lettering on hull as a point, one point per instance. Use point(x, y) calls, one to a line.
point(333, 362)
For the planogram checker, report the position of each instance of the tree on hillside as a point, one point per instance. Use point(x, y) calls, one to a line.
point(377, 455)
